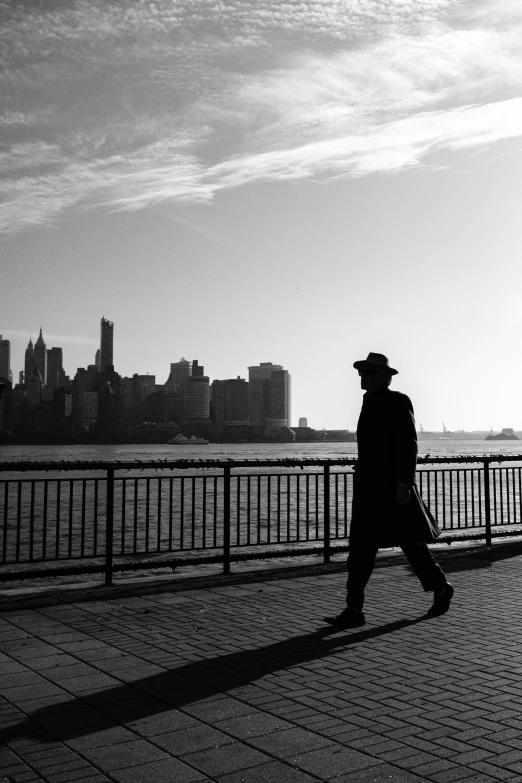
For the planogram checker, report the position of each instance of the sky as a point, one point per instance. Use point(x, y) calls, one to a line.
point(246, 181)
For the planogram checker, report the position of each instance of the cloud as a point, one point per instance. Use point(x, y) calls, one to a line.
point(71, 339)
point(130, 104)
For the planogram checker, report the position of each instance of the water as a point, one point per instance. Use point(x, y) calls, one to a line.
point(436, 447)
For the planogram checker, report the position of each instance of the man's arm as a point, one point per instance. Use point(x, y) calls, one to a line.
point(406, 448)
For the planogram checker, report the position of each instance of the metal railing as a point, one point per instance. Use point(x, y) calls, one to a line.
point(125, 514)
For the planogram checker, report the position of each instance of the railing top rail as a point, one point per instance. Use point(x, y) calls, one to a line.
point(189, 464)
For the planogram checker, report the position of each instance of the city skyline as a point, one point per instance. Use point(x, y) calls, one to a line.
point(302, 183)
point(184, 368)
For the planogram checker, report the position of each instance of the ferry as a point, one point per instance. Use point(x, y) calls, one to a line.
point(507, 434)
point(181, 440)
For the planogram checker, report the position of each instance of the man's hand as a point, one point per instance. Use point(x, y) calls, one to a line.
point(403, 494)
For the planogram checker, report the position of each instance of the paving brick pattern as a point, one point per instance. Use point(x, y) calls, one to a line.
point(231, 679)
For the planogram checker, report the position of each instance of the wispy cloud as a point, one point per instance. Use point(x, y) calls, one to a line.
point(69, 339)
point(128, 105)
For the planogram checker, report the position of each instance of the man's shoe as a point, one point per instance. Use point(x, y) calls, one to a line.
point(349, 618)
point(441, 601)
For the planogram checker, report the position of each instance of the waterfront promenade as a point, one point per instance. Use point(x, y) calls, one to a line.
point(194, 676)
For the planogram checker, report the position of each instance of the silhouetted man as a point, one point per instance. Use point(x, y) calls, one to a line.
point(387, 509)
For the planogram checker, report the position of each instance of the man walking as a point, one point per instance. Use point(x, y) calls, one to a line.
point(387, 509)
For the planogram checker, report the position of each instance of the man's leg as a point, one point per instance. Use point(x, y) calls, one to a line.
point(430, 575)
point(361, 561)
point(360, 566)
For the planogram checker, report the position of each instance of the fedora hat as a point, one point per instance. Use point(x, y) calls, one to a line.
point(377, 362)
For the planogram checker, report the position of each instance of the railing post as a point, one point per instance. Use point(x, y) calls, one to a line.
point(487, 502)
point(226, 520)
point(109, 526)
point(326, 513)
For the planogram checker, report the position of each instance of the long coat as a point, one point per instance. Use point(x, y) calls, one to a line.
point(387, 455)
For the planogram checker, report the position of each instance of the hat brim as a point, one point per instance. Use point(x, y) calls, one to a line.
point(364, 364)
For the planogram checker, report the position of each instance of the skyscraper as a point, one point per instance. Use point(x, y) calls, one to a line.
point(106, 344)
point(178, 371)
point(40, 356)
point(195, 392)
point(262, 371)
point(259, 391)
point(55, 371)
point(29, 356)
point(280, 396)
point(196, 397)
point(5, 358)
point(230, 402)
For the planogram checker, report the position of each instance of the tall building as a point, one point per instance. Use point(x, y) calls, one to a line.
point(40, 356)
point(259, 391)
point(262, 371)
point(34, 384)
point(197, 369)
point(178, 371)
point(5, 358)
point(280, 396)
point(106, 344)
point(303, 421)
point(143, 385)
point(196, 397)
point(230, 402)
point(6, 408)
point(97, 359)
point(29, 356)
point(127, 400)
point(89, 409)
point(55, 371)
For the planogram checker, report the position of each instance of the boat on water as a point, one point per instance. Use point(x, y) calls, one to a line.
point(181, 440)
point(506, 434)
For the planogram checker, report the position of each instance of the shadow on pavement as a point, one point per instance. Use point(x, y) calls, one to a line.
point(186, 684)
point(483, 557)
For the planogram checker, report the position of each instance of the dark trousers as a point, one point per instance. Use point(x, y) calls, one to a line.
point(361, 561)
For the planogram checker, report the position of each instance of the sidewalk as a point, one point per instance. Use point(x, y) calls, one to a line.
point(230, 679)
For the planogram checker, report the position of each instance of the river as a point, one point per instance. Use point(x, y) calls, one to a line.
point(143, 451)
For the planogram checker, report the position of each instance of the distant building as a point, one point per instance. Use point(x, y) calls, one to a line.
point(280, 396)
point(127, 397)
point(143, 386)
point(46, 394)
point(90, 409)
point(106, 344)
point(303, 421)
point(197, 369)
point(55, 371)
point(230, 402)
point(236, 401)
point(196, 397)
point(40, 356)
point(34, 385)
point(6, 406)
point(262, 371)
point(178, 371)
point(5, 358)
point(269, 394)
point(21, 377)
point(29, 356)
point(97, 358)
point(259, 391)
point(63, 406)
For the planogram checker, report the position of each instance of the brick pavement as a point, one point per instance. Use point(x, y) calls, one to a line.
point(235, 679)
